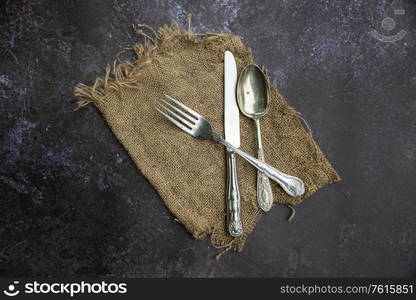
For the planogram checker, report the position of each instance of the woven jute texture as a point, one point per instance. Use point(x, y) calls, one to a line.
point(190, 174)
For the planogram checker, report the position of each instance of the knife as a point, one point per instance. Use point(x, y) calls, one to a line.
point(232, 135)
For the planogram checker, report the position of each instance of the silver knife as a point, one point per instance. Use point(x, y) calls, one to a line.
point(232, 135)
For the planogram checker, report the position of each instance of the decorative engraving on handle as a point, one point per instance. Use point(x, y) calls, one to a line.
point(264, 192)
point(235, 227)
point(292, 185)
point(264, 189)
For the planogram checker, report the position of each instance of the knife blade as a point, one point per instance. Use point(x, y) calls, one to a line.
point(231, 111)
point(232, 135)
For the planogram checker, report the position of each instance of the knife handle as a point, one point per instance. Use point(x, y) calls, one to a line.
point(235, 227)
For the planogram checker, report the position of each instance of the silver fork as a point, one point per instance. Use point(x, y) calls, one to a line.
point(196, 125)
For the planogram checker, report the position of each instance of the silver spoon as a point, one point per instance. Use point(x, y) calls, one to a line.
point(253, 100)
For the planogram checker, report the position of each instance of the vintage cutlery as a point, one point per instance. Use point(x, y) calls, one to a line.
point(232, 136)
point(253, 100)
point(196, 125)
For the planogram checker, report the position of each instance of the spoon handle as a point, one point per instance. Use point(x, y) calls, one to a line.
point(264, 189)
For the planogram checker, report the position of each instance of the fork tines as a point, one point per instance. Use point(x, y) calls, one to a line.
point(178, 113)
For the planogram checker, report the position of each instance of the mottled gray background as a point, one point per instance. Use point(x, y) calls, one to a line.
point(74, 204)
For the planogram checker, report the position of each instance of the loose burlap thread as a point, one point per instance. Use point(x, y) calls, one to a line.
point(190, 174)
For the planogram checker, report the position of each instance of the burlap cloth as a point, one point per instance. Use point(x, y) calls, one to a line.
point(190, 174)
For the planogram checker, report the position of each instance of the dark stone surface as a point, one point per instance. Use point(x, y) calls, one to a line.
point(73, 203)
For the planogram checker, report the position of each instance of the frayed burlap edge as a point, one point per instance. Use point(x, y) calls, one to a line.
point(127, 74)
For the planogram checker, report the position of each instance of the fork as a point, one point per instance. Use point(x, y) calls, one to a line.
point(196, 125)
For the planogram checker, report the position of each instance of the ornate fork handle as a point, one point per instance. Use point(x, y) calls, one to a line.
point(292, 185)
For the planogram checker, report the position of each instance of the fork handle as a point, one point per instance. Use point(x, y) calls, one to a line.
point(292, 185)
point(235, 227)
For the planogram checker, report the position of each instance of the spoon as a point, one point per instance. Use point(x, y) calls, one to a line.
point(253, 100)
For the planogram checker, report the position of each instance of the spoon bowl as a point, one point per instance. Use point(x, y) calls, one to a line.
point(253, 92)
